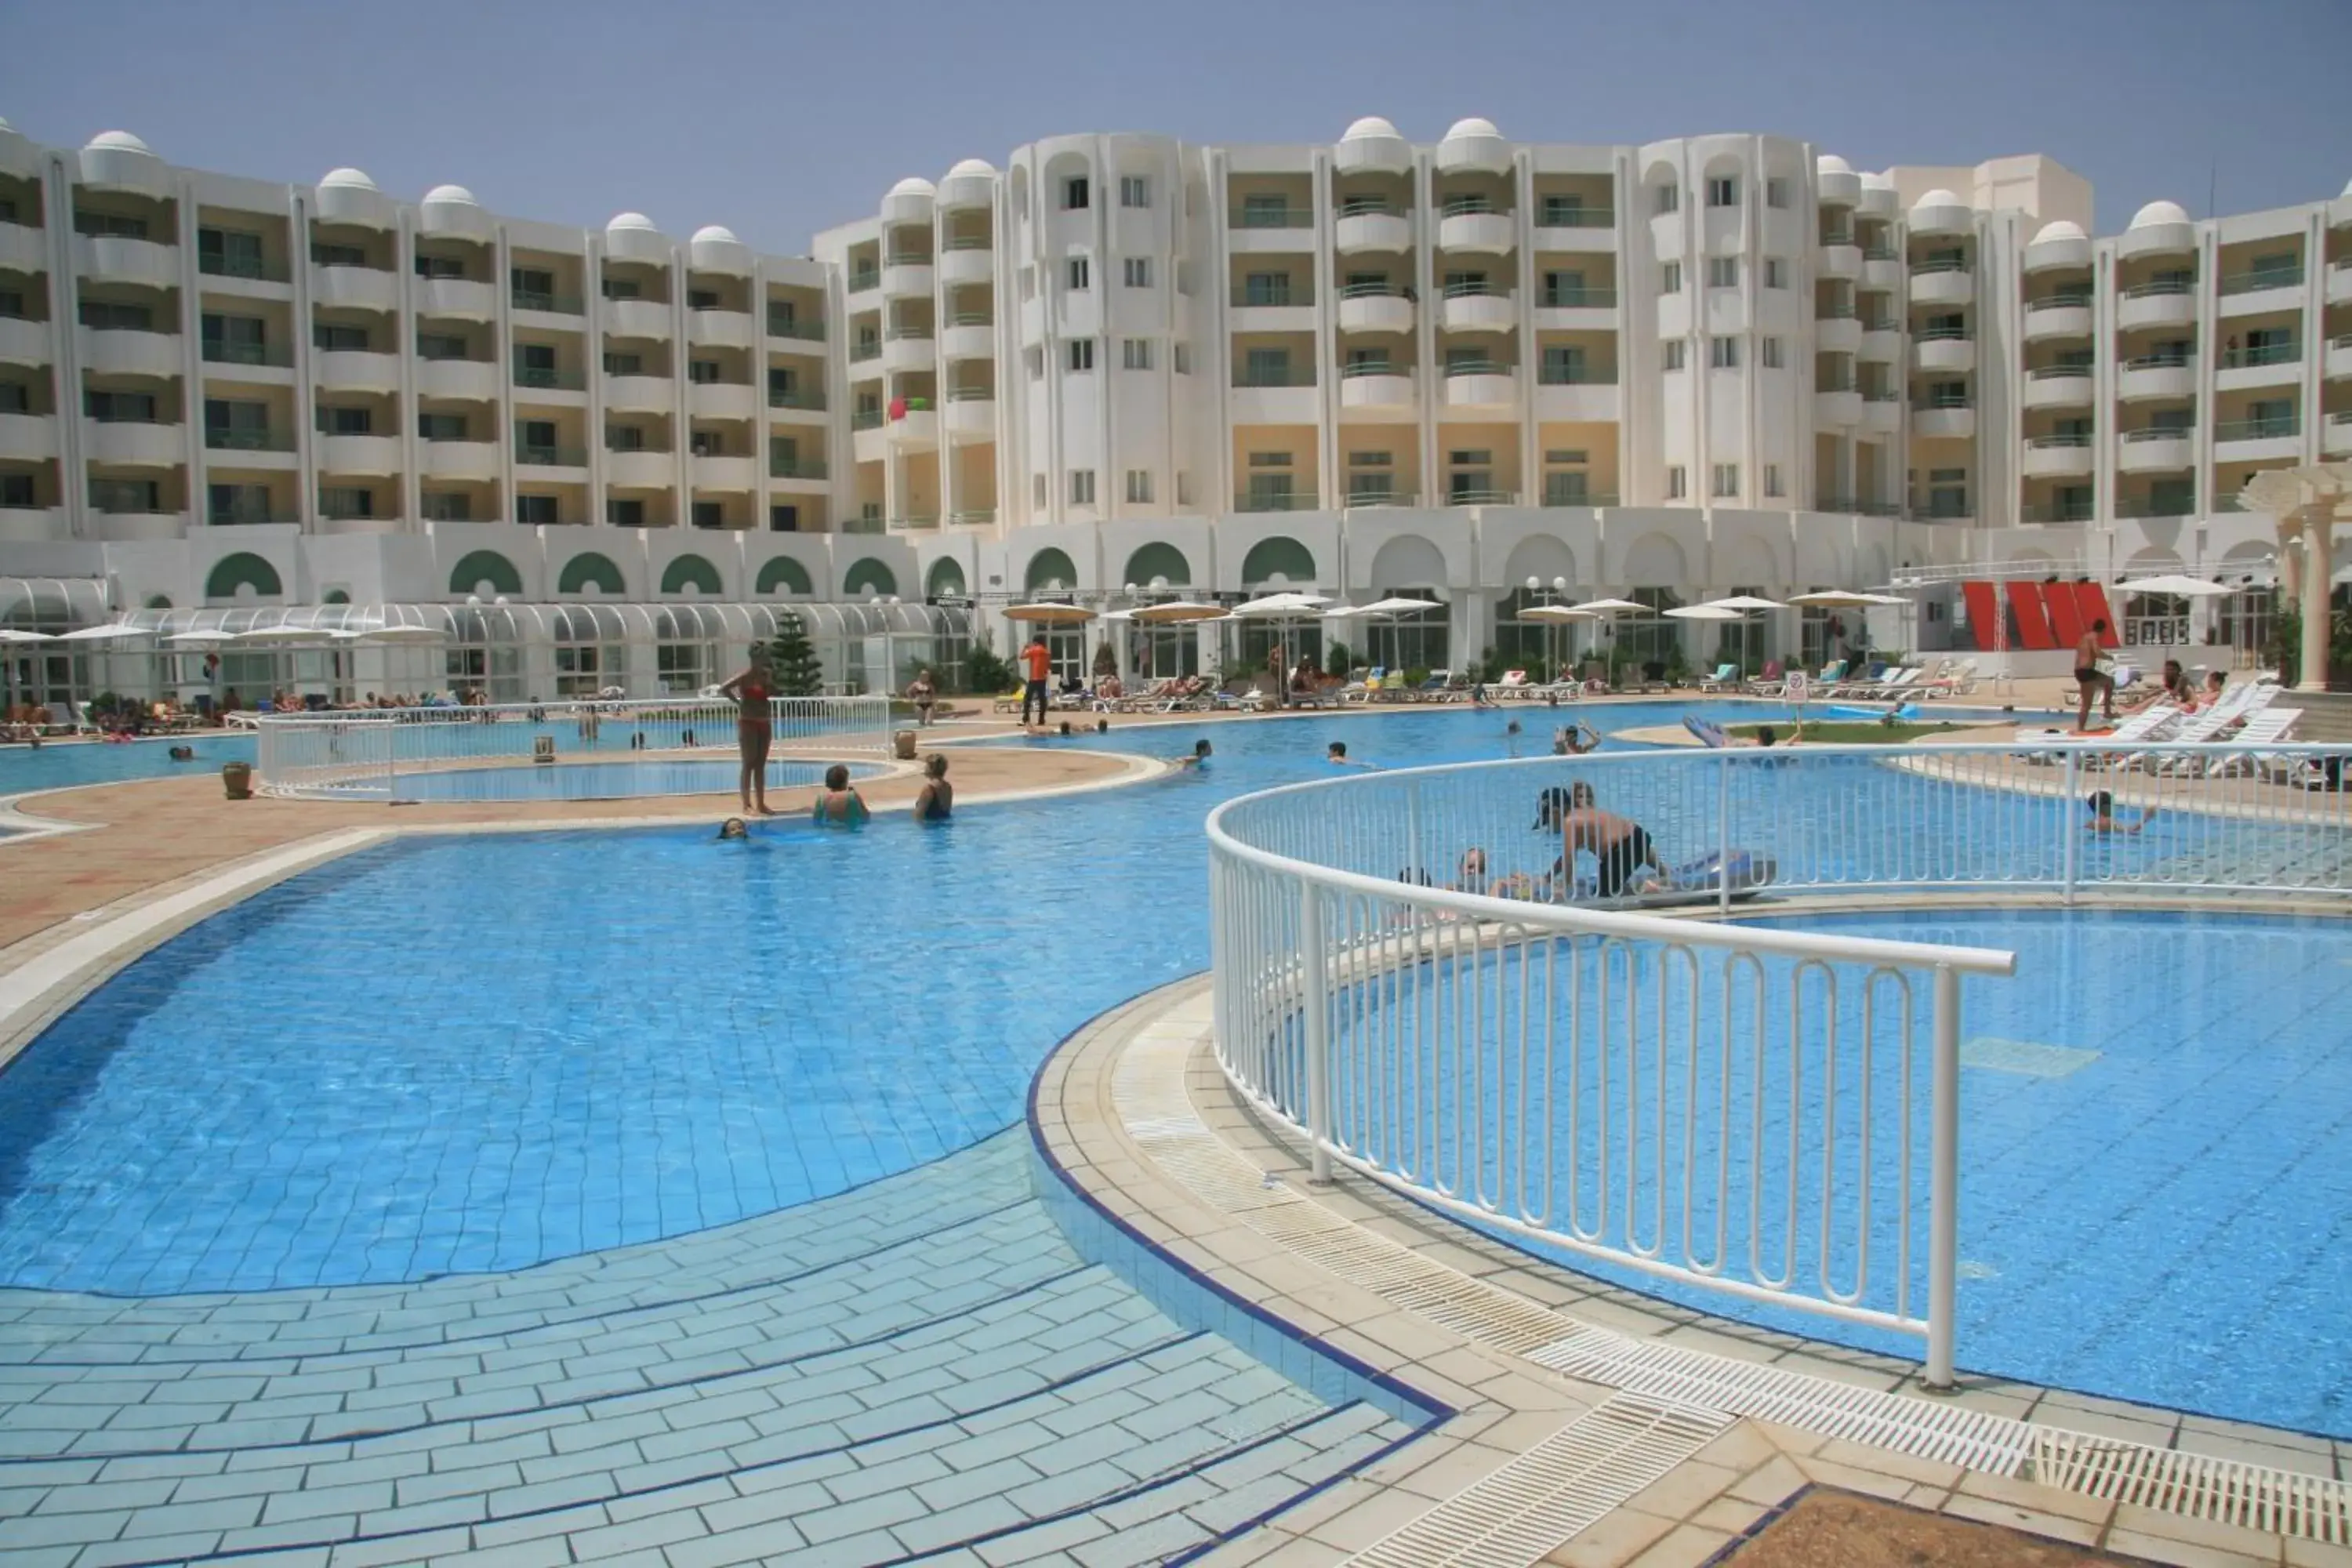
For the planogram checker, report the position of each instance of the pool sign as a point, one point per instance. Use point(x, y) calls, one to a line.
point(1795, 692)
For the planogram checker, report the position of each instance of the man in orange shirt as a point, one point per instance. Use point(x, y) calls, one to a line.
point(1038, 664)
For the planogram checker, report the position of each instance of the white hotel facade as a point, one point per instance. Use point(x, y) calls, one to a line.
point(1124, 365)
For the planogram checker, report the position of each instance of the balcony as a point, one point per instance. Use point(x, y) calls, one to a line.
point(369, 455)
point(2337, 366)
point(1477, 495)
point(247, 446)
point(2256, 440)
point(1943, 283)
point(908, 349)
point(866, 351)
point(1841, 261)
point(1880, 340)
point(971, 414)
point(722, 400)
point(36, 524)
point(1837, 405)
point(1265, 228)
point(1281, 393)
point(124, 351)
point(537, 303)
point(863, 279)
point(2335, 436)
point(714, 472)
point(1375, 389)
point(966, 259)
point(1943, 419)
point(2057, 316)
point(2058, 511)
point(915, 428)
point(715, 328)
point(1476, 308)
point(355, 288)
point(795, 330)
point(2054, 254)
point(2159, 238)
point(2156, 449)
point(458, 299)
point(2265, 364)
point(973, 517)
point(22, 248)
point(808, 469)
point(1374, 308)
point(23, 341)
point(132, 444)
point(2166, 304)
point(2057, 457)
point(1576, 227)
point(1276, 500)
point(908, 278)
point(473, 380)
point(475, 461)
point(117, 259)
point(640, 468)
point(1368, 226)
point(529, 455)
point(27, 437)
point(798, 402)
point(639, 394)
point(355, 370)
point(1882, 410)
point(637, 318)
point(2339, 280)
point(2154, 376)
point(2271, 289)
point(1837, 334)
point(1944, 350)
point(534, 378)
point(1472, 228)
point(1480, 386)
point(2058, 386)
point(970, 336)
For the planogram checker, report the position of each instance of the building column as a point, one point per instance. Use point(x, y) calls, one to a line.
point(1471, 617)
point(2319, 574)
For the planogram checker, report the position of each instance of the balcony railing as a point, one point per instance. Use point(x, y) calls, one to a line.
point(967, 242)
point(1881, 394)
point(2161, 433)
point(1880, 251)
point(550, 457)
point(1356, 368)
point(859, 282)
point(218, 351)
point(554, 304)
point(1246, 374)
point(1579, 298)
point(814, 401)
point(1476, 289)
point(2268, 278)
point(2160, 288)
point(796, 468)
point(1837, 237)
point(793, 327)
point(1929, 268)
point(649, 449)
point(1369, 207)
point(971, 394)
point(2166, 361)
point(1834, 313)
point(1578, 498)
point(1942, 335)
point(1882, 324)
point(1834, 384)
point(2261, 354)
point(1927, 405)
point(975, 517)
point(907, 334)
point(972, 319)
point(2058, 511)
point(1274, 500)
point(2156, 506)
point(1576, 217)
point(1364, 490)
point(1576, 375)
point(1371, 291)
point(1272, 299)
point(1477, 367)
point(2060, 302)
point(861, 352)
point(1275, 217)
point(1479, 495)
point(247, 516)
point(2068, 439)
point(2270, 429)
point(908, 259)
point(1468, 207)
point(248, 266)
point(228, 438)
point(866, 419)
point(2059, 373)
point(557, 380)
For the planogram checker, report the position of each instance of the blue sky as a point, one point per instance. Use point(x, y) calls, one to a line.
point(779, 118)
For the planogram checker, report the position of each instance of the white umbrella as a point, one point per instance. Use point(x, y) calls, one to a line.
point(201, 635)
point(280, 634)
point(1561, 613)
point(11, 635)
point(1845, 599)
point(1609, 606)
point(1704, 613)
point(1401, 606)
point(1177, 611)
point(1049, 614)
point(114, 632)
point(2184, 587)
point(1747, 601)
point(1279, 605)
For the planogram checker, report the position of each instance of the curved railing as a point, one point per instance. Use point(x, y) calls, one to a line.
point(1764, 1113)
point(381, 754)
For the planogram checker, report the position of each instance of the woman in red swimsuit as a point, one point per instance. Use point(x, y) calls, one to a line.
point(753, 728)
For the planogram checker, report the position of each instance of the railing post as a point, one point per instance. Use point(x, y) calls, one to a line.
point(1315, 1032)
point(1412, 830)
point(1943, 1179)
point(1723, 834)
point(2066, 824)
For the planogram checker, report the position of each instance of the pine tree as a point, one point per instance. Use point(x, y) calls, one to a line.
point(792, 661)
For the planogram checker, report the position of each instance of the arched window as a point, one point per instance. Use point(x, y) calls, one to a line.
point(234, 574)
point(870, 576)
point(1278, 560)
point(1159, 565)
point(1050, 570)
point(690, 571)
point(784, 575)
point(590, 569)
point(483, 570)
point(945, 579)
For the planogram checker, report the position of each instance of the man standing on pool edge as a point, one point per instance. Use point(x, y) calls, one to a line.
point(1037, 665)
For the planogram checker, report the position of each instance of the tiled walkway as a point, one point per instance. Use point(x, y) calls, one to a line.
point(921, 1369)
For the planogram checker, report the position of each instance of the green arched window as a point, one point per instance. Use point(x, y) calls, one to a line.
point(241, 571)
point(784, 575)
point(690, 572)
point(589, 569)
point(480, 568)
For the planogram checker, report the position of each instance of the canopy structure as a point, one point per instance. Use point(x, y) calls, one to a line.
point(1845, 599)
point(53, 604)
point(2305, 502)
point(2176, 584)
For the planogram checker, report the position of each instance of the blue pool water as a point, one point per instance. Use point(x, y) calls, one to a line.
point(617, 780)
point(63, 764)
point(452, 1055)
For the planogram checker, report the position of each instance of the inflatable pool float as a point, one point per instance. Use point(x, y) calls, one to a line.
point(1699, 881)
point(1710, 734)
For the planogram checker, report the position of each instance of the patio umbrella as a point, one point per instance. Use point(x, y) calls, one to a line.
point(116, 631)
point(1845, 599)
point(1176, 613)
point(1050, 615)
point(1734, 608)
point(1608, 606)
point(1285, 610)
point(1396, 609)
point(1704, 613)
point(1557, 616)
point(2182, 587)
point(1748, 602)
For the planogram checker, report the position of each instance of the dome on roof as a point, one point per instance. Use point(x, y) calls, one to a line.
point(1474, 126)
point(972, 166)
point(2061, 229)
point(713, 234)
point(1871, 182)
point(637, 221)
point(1938, 197)
point(914, 185)
point(453, 195)
point(346, 179)
point(1830, 163)
point(2158, 212)
point(121, 141)
point(1370, 125)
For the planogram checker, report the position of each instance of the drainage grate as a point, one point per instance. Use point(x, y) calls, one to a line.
point(1555, 1490)
point(2253, 1497)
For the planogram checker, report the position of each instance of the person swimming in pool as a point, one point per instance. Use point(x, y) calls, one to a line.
point(733, 828)
point(1338, 757)
point(840, 805)
point(936, 800)
point(183, 754)
point(1202, 751)
point(2102, 814)
point(1574, 741)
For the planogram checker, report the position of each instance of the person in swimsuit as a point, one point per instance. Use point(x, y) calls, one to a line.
point(1201, 752)
point(733, 828)
point(923, 693)
point(1622, 847)
point(2089, 681)
point(840, 805)
point(936, 801)
point(2103, 816)
point(1037, 665)
point(754, 731)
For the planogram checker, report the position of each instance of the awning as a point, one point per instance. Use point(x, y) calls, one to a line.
point(53, 604)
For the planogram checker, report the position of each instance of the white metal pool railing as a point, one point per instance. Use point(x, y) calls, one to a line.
point(1751, 1112)
point(364, 754)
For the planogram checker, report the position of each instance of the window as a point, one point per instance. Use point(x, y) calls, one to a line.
point(1076, 193)
point(1264, 367)
point(1568, 456)
point(1563, 212)
point(228, 253)
point(1670, 278)
point(623, 288)
point(346, 500)
point(1723, 191)
point(232, 504)
point(1563, 366)
point(1081, 276)
point(1672, 352)
point(1037, 490)
point(1138, 271)
point(1723, 354)
point(1269, 459)
point(1723, 272)
point(126, 494)
point(106, 318)
point(1082, 355)
point(1138, 487)
point(438, 345)
point(440, 266)
point(785, 518)
point(1266, 288)
point(1082, 487)
point(710, 514)
point(1036, 360)
point(96, 224)
point(1772, 479)
point(624, 364)
point(621, 512)
point(12, 304)
point(7, 210)
point(1677, 485)
point(1567, 489)
point(330, 339)
point(234, 339)
point(326, 254)
point(1947, 492)
point(534, 290)
point(1776, 272)
point(1182, 359)
point(706, 443)
point(440, 426)
point(16, 397)
point(535, 509)
point(1776, 193)
point(1183, 488)
point(1772, 353)
point(702, 299)
point(1669, 199)
point(448, 506)
point(702, 372)
point(1134, 191)
point(1136, 353)
point(332, 420)
point(1726, 481)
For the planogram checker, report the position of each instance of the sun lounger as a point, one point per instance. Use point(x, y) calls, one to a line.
point(1725, 676)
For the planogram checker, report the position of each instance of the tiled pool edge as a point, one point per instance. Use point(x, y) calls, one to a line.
point(1184, 1224)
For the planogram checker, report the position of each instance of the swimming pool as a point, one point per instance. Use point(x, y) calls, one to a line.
point(612, 1036)
point(65, 764)
point(715, 774)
